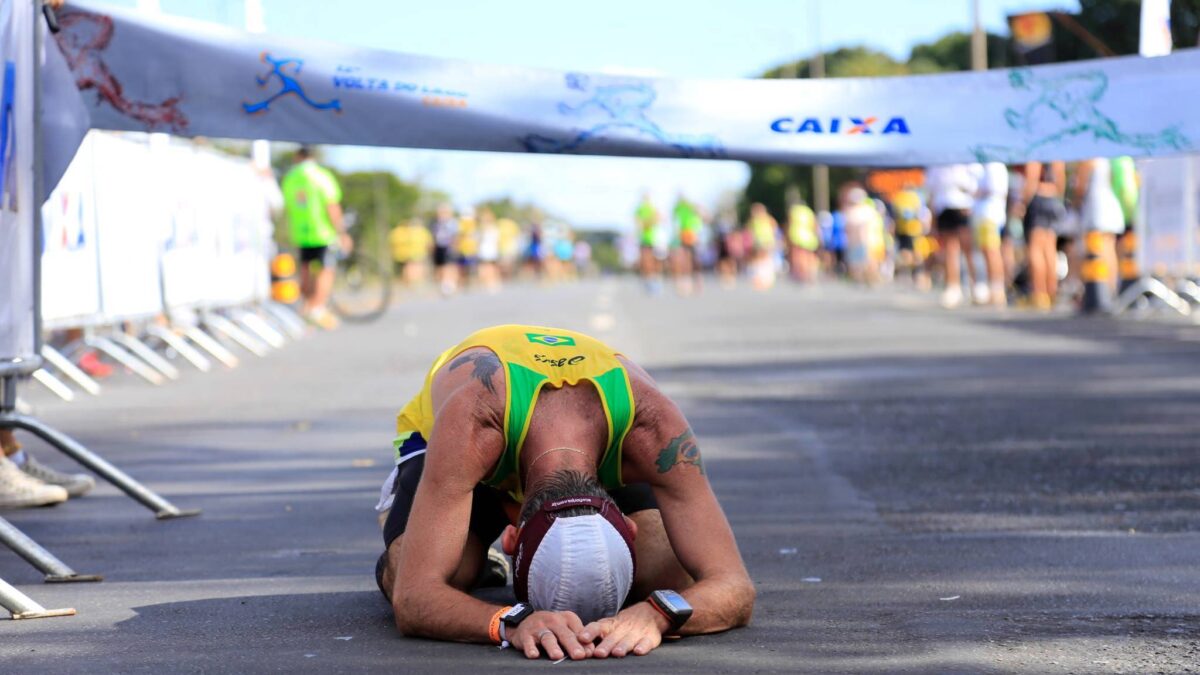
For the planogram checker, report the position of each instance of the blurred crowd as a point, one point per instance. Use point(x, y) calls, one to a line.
point(473, 247)
point(984, 234)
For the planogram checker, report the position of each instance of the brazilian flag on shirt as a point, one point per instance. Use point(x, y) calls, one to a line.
point(551, 340)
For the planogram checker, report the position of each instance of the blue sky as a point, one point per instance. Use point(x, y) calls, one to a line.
point(652, 37)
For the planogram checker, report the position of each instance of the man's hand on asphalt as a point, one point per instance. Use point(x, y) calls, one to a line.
point(637, 629)
point(555, 632)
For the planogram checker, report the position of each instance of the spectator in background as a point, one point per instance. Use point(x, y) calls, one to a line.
point(987, 218)
point(802, 241)
point(764, 238)
point(1044, 187)
point(25, 482)
point(1101, 211)
point(445, 234)
point(911, 218)
point(952, 196)
point(312, 201)
point(489, 251)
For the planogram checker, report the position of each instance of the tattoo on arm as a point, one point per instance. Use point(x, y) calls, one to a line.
point(486, 365)
point(681, 450)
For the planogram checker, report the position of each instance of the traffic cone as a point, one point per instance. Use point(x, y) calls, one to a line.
point(1097, 296)
point(284, 288)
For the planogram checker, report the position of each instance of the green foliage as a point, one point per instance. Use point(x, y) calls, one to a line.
point(506, 207)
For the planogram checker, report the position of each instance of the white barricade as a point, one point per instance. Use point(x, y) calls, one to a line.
point(130, 227)
point(1171, 223)
point(70, 250)
point(136, 228)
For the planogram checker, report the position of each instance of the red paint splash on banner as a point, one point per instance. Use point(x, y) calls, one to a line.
point(84, 36)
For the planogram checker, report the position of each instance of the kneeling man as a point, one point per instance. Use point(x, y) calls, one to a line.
point(594, 483)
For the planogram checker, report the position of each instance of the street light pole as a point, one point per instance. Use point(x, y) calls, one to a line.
point(978, 39)
point(817, 70)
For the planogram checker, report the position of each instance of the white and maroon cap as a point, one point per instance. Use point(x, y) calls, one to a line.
point(584, 564)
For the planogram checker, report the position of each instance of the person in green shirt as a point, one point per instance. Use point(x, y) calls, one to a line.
point(312, 200)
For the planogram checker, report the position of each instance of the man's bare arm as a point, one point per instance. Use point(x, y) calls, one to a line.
point(723, 596)
point(432, 546)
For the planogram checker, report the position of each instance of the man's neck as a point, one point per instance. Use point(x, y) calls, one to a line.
point(539, 465)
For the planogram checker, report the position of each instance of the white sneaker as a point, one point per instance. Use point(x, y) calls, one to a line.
point(981, 294)
point(952, 297)
point(18, 490)
point(76, 484)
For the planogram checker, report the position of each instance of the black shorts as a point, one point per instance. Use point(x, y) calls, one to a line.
point(950, 221)
point(906, 242)
point(322, 254)
point(488, 517)
point(441, 255)
point(1045, 212)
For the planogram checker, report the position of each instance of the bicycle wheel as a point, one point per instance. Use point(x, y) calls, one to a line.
point(362, 289)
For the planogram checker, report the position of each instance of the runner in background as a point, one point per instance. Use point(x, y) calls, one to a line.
point(646, 220)
point(467, 245)
point(802, 240)
point(951, 197)
point(411, 244)
point(764, 235)
point(729, 246)
point(688, 224)
point(489, 251)
point(312, 201)
point(510, 246)
point(444, 228)
point(987, 217)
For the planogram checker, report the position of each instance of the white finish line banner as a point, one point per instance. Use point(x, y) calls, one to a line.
point(191, 78)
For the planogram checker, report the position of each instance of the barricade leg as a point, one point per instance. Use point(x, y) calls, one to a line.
point(255, 324)
point(56, 571)
point(21, 606)
point(181, 346)
point(10, 419)
point(1149, 286)
point(291, 322)
point(63, 365)
point(68, 446)
point(145, 353)
point(124, 358)
point(54, 384)
point(230, 330)
point(209, 344)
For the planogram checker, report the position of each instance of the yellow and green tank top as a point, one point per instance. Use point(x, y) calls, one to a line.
point(532, 357)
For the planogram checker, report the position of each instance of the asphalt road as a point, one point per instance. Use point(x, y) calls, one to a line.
point(913, 491)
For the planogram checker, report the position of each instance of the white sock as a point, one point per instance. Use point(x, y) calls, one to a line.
point(19, 458)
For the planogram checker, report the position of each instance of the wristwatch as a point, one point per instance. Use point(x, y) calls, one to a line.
point(671, 605)
point(514, 616)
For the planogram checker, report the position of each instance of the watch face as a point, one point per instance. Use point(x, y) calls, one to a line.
point(517, 614)
point(674, 603)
